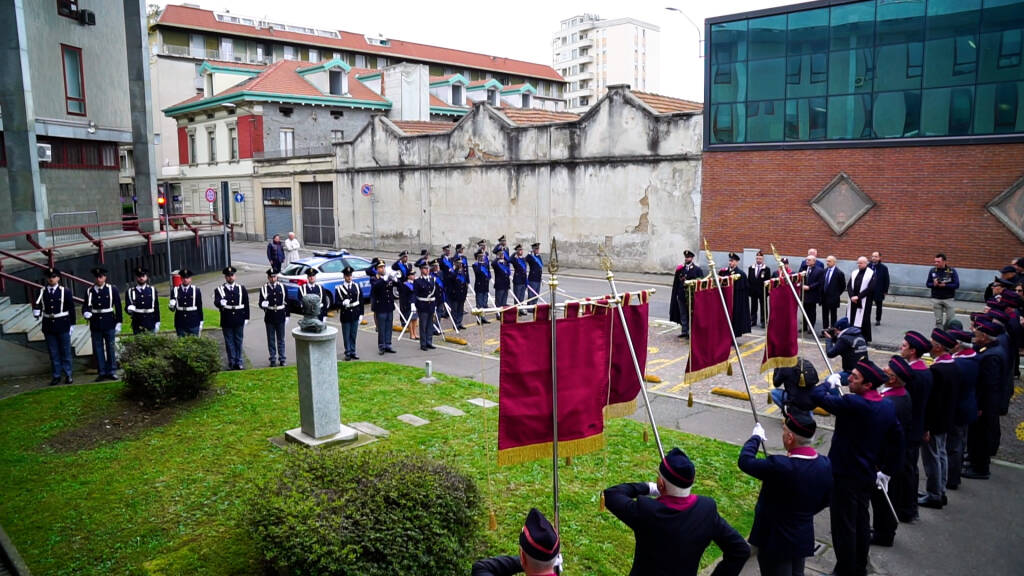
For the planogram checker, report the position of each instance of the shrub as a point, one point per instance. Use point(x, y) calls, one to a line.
point(158, 367)
point(367, 513)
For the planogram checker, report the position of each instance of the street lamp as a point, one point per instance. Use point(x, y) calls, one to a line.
point(700, 41)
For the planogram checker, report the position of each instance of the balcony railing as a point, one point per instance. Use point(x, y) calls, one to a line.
point(188, 52)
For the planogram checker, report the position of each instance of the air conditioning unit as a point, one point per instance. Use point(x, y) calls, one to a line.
point(87, 17)
point(45, 152)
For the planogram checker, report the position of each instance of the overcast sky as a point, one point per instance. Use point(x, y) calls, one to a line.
point(520, 29)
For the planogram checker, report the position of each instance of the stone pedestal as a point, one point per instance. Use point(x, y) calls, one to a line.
point(319, 407)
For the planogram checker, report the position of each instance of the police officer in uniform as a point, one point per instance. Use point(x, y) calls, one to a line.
point(275, 317)
point(536, 264)
point(501, 248)
point(445, 261)
point(232, 300)
point(519, 274)
point(424, 258)
point(56, 306)
point(425, 291)
point(679, 309)
point(401, 266)
point(481, 246)
point(311, 287)
point(481, 282)
point(672, 526)
point(539, 552)
point(794, 487)
point(441, 304)
point(382, 301)
point(460, 255)
point(502, 280)
point(458, 288)
point(349, 300)
point(187, 304)
point(141, 304)
point(102, 309)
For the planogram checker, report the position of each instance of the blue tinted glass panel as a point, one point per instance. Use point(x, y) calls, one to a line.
point(1001, 57)
point(899, 21)
point(807, 75)
point(952, 18)
point(767, 37)
point(951, 61)
point(849, 117)
point(853, 26)
point(808, 31)
point(728, 82)
point(900, 66)
point(729, 42)
point(767, 79)
point(999, 108)
point(947, 111)
point(765, 120)
point(851, 71)
point(1002, 15)
point(897, 114)
point(806, 119)
point(728, 122)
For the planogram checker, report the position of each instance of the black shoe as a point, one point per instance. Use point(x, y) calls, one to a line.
point(975, 475)
point(684, 335)
point(945, 500)
point(381, 352)
point(952, 486)
point(431, 347)
point(926, 502)
point(55, 381)
point(437, 333)
point(878, 323)
point(273, 364)
point(390, 351)
point(461, 327)
point(424, 348)
point(354, 357)
point(101, 378)
point(68, 379)
point(485, 321)
point(347, 358)
point(878, 540)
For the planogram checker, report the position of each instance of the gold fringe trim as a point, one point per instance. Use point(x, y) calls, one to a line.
point(654, 378)
point(730, 393)
point(716, 370)
point(778, 362)
point(567, 448)
point(821, 412)
point(620, 410)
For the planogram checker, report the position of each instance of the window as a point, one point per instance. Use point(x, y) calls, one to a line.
point(81, 154)
point(492, 97)
point(192, 148)
point(314, 55)
point(457, 98)
point(1009, 49)
point(67, 8)
point(337, 114)
point(337, 135)
point(211, 136)
point(360, 61)
point(227, 49)
point(287, 143)
point(233, 140)
point(526, 100)
point(336, 82)
point(965, 56)
point(285, 111)
point(74, 80)
point(290, 53)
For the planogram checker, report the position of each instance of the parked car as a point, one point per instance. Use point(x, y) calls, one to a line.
point(329, 266)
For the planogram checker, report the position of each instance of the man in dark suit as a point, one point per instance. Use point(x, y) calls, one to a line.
point(102, 309)
point(757, 275)
point(232, 300)
point(56, 306)
point(881, 284)
point(348, 298)
point(794, 487)
point(672, 526)
point(991, 364)
point(812, 285)
point(832, 290)
point(539, 552)
point(817, 263)
point(679, 307)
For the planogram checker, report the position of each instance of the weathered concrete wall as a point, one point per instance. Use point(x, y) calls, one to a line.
point(312, 125)
point(82, 190)
point(622, 177)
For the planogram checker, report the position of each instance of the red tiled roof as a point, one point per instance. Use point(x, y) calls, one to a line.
point(516, 86)
point(479, 83)
point(528, 116)
point(195, 98)
point(435, 101)
point(667, 104)
point(445, 78)
point(414, 128)
point(233, 64)
point(197, 18)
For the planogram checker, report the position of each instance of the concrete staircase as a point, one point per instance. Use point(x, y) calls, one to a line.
point(19, 326)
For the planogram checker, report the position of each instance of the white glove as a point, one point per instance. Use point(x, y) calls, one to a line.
point(131, 308)
point(246, 323)
point(882, 481)
point(759, 432)
point(352, 304)
point(263, 304)
point(71, 330)
point(558, 564)
point(652, 488)
point(172, 303)
point(37, 312)
point(834, 380)
point(223, 302)
point(156, 328)
point(86, 314)
point(200, 327)
point(117, 328)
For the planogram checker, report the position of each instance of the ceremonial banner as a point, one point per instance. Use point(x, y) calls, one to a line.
point(710, 337)
point(623, 384)
point(524, 394)
point(781, 346)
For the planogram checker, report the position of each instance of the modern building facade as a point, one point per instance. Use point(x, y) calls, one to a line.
point(855, 126)
point(592, 54)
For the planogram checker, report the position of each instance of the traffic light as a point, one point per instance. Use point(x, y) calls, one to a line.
point(161, 200)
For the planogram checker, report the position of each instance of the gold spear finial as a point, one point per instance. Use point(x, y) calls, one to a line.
point(606, 260)
point(707, 252)
point(553, 259)
point(778, 259)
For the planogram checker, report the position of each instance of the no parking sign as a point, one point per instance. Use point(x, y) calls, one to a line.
point(367, 189)
point(211, 195)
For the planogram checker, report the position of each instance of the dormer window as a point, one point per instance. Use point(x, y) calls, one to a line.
point(457, 96)
point(492, 96)
point(527, 100)
point(208, 86)
point(337, 82)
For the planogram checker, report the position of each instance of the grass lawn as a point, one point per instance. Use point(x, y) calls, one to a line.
point(211, 318)
point(169, 500)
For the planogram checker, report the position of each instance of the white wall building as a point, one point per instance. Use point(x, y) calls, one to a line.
point(592, 54)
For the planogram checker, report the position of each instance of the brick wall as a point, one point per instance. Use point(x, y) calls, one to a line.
point(927, 199)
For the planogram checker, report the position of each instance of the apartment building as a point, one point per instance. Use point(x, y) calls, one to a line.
point(592, 54)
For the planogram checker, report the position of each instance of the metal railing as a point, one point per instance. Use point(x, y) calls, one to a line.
point(64, 223)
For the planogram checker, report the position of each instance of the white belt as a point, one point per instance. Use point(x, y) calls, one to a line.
point(276, 307)
point(239, 307)
point(103, 311)
point(58, 315)
point(431, 299)
point(189, 309)
point(145, 311)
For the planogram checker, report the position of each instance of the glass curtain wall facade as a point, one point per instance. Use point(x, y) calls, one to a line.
point(868, 70)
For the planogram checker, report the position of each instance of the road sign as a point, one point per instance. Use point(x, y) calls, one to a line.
point(211, 195)
point(367, 189)
point(239, 197)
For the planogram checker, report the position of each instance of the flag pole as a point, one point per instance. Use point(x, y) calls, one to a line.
point(735, 343)
point(789, 282)
point(606, 264)
point(553, 285)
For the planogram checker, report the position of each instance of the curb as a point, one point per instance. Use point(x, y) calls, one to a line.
point(9, 557)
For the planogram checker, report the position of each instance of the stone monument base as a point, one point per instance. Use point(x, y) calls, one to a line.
point(345, 435)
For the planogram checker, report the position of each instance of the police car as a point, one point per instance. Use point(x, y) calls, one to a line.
point(328, 265)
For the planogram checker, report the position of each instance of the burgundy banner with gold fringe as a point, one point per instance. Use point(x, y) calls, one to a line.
point(623, 385)
point(710, 337)
point(524, 393)
point(781, 346)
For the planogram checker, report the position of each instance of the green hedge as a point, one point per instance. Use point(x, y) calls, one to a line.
point(159, 368)
point(368, 513)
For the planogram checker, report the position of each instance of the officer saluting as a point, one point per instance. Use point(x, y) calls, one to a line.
point(187, 304)
point(233, 302)
point(536, 264)
point(519, 276)
point(426, 294)
point(481, 282)
point(311, 287)
point(382, 297)
point(349, 299)
point(275, 317)
point(56, 306)
point(539, 552)
point(141, 304)
point(102, 308)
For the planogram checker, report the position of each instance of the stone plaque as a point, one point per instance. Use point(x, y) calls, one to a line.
point(841, 203)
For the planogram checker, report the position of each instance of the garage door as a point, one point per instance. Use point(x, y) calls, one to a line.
point(318, 226)
point(277, 212)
